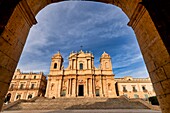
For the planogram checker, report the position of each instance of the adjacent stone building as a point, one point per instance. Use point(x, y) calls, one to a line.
point(134, 87)
point(81, 78)
point(26, 85)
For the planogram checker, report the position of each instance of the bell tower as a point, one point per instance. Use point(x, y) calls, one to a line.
point(56, 61)
point(105, 62)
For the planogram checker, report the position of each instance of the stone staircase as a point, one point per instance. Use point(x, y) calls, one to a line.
point(41, 103)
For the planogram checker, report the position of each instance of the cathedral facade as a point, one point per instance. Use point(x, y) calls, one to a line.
point(81, 78)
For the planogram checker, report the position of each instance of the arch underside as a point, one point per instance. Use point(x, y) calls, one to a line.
point(18, 17)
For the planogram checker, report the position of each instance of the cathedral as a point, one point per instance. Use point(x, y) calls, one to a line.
point(81, 78)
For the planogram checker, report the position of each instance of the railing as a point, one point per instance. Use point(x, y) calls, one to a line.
point(27, 88)
point(134, 90)
point(145, 90)
point(125, 90)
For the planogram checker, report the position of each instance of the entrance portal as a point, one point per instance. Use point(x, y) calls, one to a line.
point(81, 90)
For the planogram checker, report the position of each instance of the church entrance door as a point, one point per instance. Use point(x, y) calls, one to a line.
point(81, 90)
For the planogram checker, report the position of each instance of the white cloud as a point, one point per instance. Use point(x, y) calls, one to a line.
point(140, 72)
point(69, 25)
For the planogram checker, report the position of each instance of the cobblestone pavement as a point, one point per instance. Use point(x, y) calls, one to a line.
point(86, 111)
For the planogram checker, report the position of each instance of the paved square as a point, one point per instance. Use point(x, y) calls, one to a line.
point(87, 111)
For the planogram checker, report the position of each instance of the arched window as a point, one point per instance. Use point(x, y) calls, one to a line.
point(55, 65)
point(8, 97)
point(18, 96)
point(81, 66)
point(32, 86)
point(29, 96)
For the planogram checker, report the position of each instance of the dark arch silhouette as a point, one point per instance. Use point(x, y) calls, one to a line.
point(155, 47)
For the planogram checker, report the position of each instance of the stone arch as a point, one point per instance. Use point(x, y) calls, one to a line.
point(149, 20)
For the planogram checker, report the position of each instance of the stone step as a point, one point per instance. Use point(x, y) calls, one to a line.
point(78, 103)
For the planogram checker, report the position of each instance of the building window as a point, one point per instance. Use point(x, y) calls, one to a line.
point(144, 89)
point(32, 86)
point(18, 96)
point(24, 77)
point(136, 96)
point(97, 92)
point(12, 86)
point(81, 66)
point(55, 65)
point(124, 89)
point(134, 89)
point(29, 96)
point(21, 86)
point(34, 77)
point(15, 77)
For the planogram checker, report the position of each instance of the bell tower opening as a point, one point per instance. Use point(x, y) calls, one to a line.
point(81, 90)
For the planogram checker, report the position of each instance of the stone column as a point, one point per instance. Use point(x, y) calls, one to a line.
point(87, 85)
point(70, 87)
point(87, 67)
point(85, 89)
point(59, 87)
point(90, 88)
point(94, 91)
point(74, 88)
point(101, 86)
point(105, 86)
point(67, 91)
point(72, 64)
point(48, 88)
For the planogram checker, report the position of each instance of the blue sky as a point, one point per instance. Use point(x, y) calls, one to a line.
point(98, 27)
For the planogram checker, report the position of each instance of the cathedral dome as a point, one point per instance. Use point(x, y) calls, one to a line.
point(105, 55)
point(57, 55)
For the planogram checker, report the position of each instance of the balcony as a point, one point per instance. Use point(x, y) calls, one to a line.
point(135, 90)
point(145, 90)
point(125, 90)
point(24, 88)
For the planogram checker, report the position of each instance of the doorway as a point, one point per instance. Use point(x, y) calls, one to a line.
point(81, 90)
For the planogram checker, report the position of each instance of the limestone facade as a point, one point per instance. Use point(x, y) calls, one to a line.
point(134, 87)
point(26, 85)
point(81, 78)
